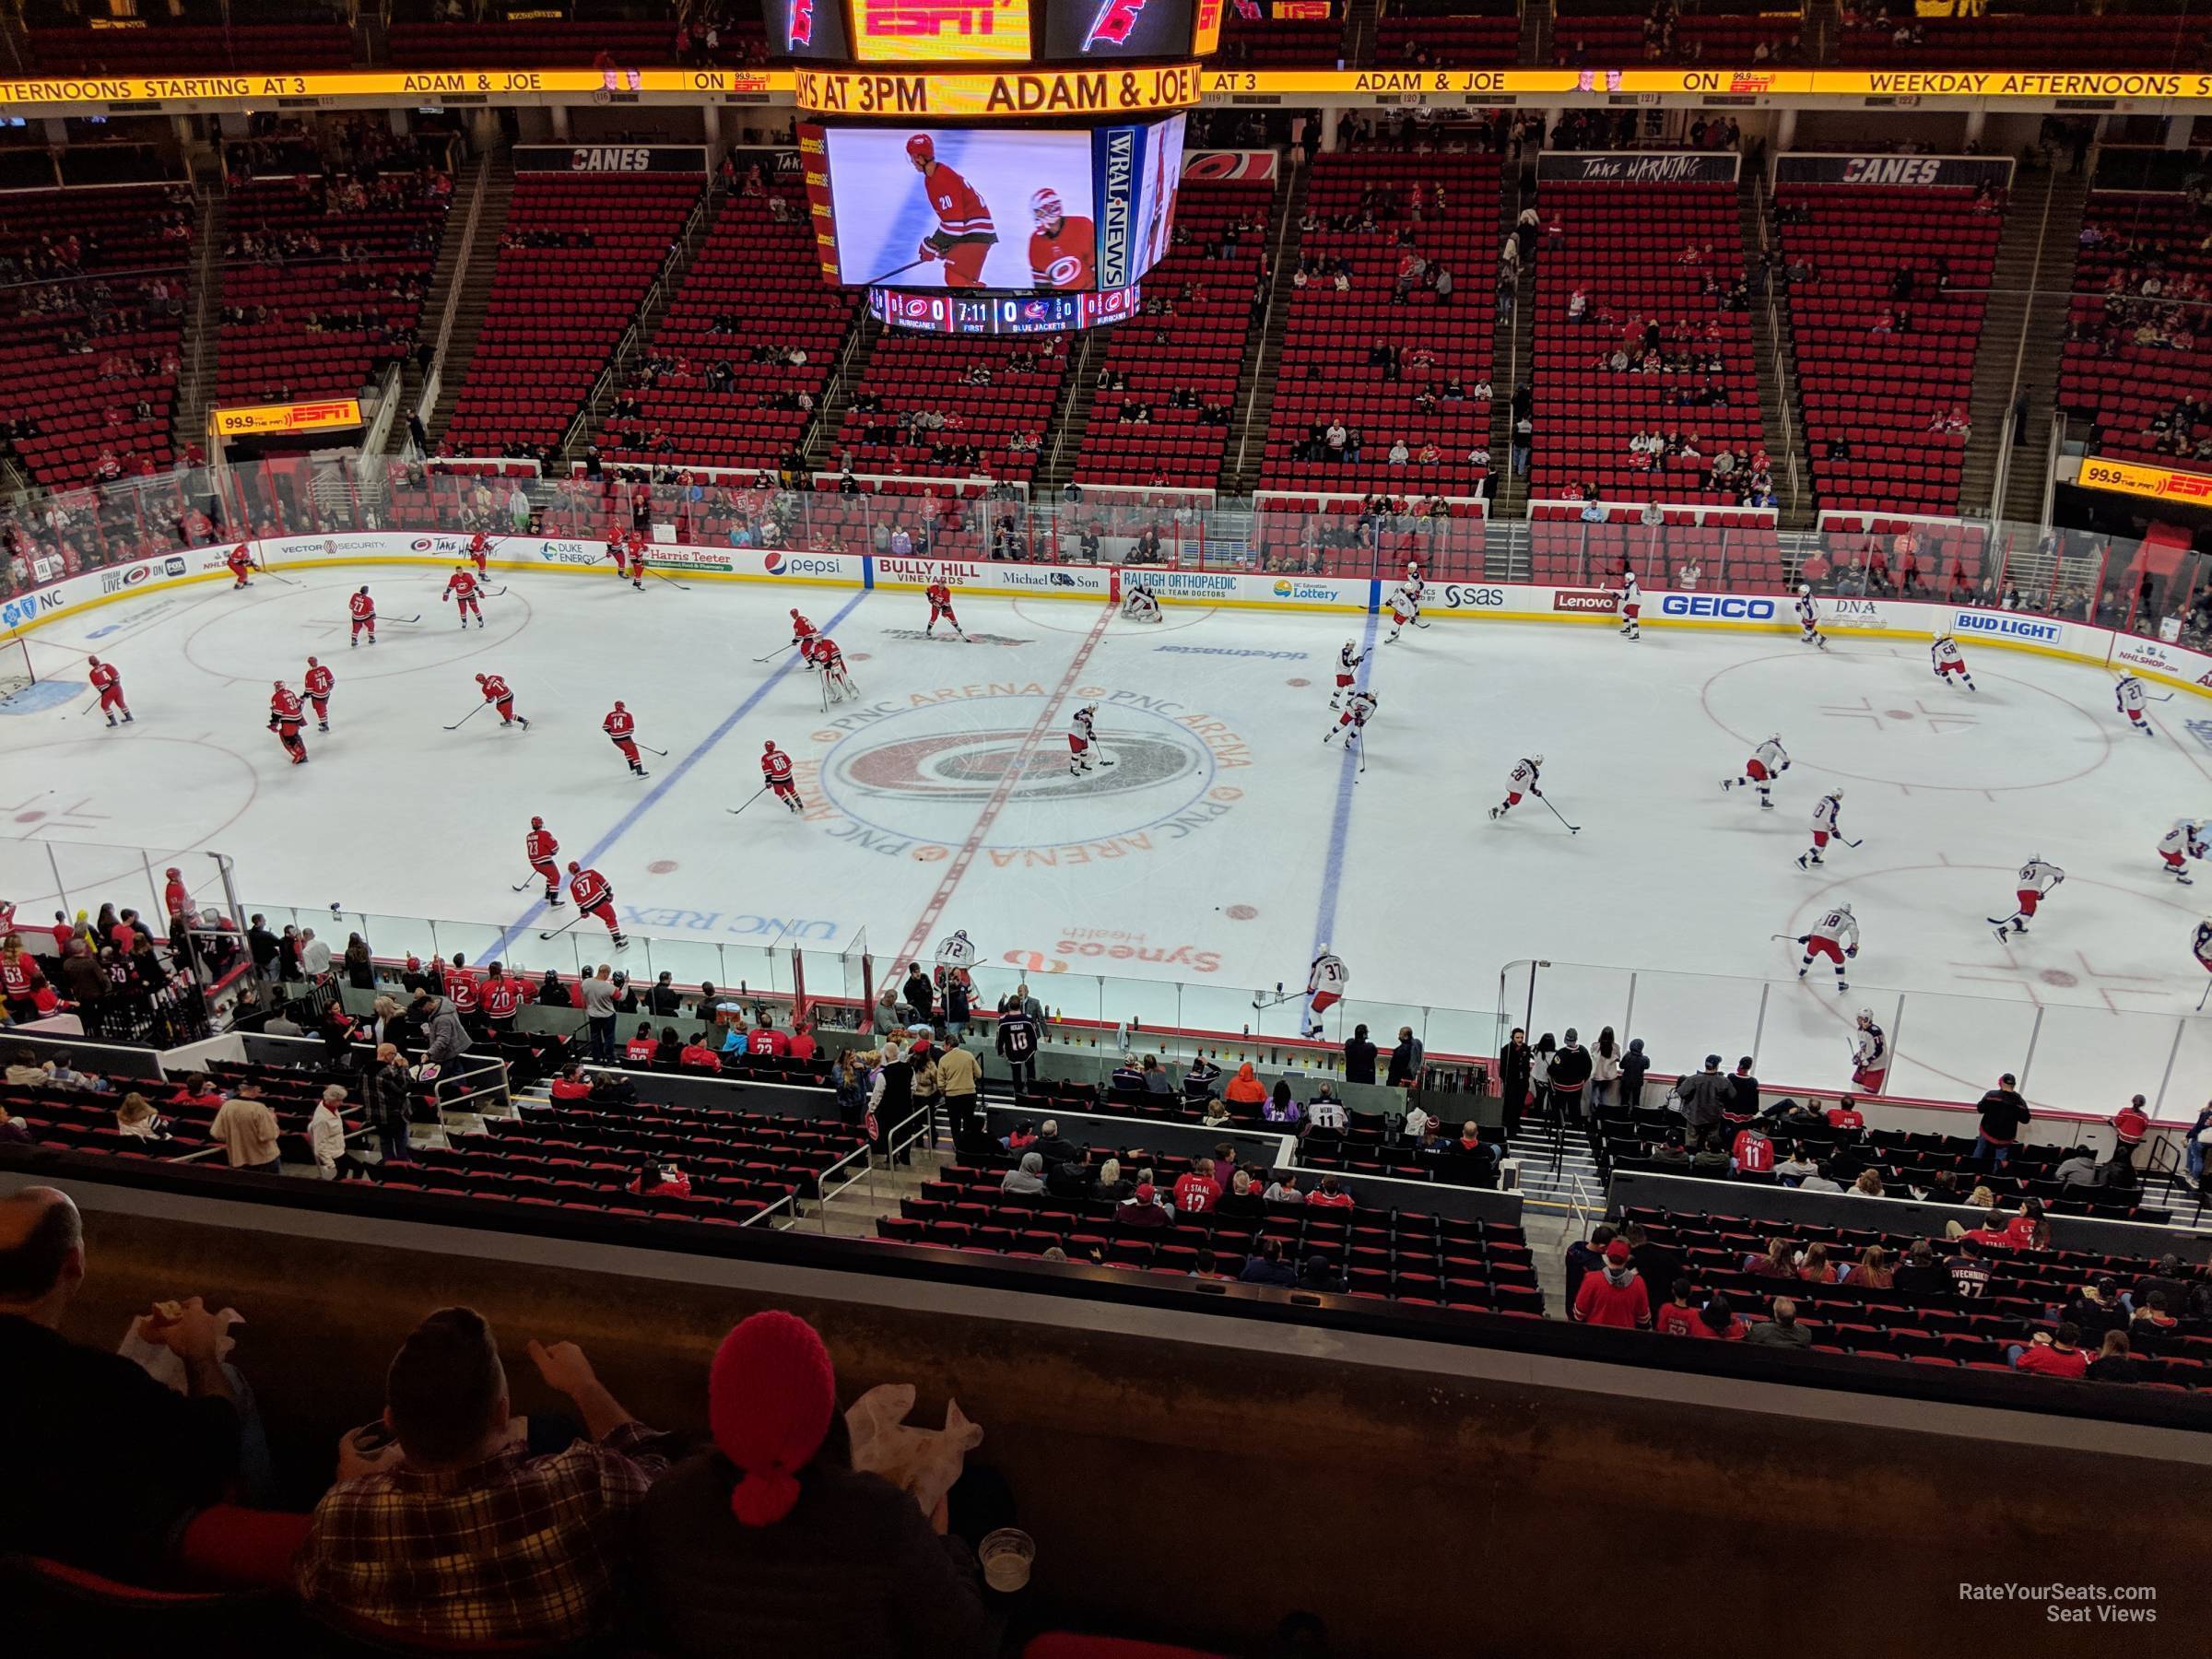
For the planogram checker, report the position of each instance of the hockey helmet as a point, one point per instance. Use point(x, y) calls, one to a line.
point(1865, 1017)
point(767, 748)
point(480, 678)
point(1351, 644)
point(921, 149)
point(311, 663)
point(538, 823)
point(1535, 760)
point(794, 610)
point(619, 708)
point(1803, 591)
point(1844, 907)
point(1045, 208)
point(172, 871)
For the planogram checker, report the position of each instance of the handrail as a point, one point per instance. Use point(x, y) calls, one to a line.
point(2002, 475)
point(1277, 248)
point(2054, 448)
point(461, 266)
point(1775, 317)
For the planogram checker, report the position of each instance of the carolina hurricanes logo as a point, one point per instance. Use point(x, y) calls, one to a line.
point(802, 22)
point(968, 766)
point(1113, 23)
point(1064, 270)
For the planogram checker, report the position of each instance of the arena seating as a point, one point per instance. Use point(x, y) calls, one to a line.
point(1653, 263)
point(1198, 304)
point(550, 42)
point(992, 392)
point(84, 1121)
point(1734, 550)
point(2123, 40)
point(1330, 338)
point(2025, 1289)
point(1448, 34)
point(1327, 535)
point(1914, 558)
point(76, 364)
point(579, 253)
point(1396, 1254)
point(1609, 34)
point(1876, 389)
point(189, 48)
point(378, 243)
point(2132, 358)
point(1261, 41)
point(755, 277)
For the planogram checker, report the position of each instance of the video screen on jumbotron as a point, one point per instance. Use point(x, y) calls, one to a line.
point(969, 208)
point(940, 31)
point(946, 34)
point(808, 29)
point(1116, 29)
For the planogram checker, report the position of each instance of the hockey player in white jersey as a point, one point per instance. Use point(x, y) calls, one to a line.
point(1348, 670)
point(1808, 618)
point(1949, 660)
point(1081, 740)
point(2200, 946)
point(1405, 606)
point(1869, 1055)
point(2128, 696)
point(2036, 879)
point(1139, 602)
point(2178, 845)
point(1520, 782)
point(1767, 762)
point(1325, 982)
point(1825, 813)
point(1351, 724)
point(1632, 606)
point(1835, 937)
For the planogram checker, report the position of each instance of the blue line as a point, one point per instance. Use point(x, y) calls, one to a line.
point(1348, 778)
point(674, 776)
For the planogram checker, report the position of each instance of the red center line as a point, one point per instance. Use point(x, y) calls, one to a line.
point(1007, 781)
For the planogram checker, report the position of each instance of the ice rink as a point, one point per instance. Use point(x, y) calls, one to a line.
point(1222, 845)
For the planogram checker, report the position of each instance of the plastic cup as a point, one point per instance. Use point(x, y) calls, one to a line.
point(1006, 1555)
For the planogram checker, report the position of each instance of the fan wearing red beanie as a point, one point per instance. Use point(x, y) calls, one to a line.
point(772, 1542)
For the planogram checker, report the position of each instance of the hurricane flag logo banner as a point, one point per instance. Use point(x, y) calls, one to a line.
point(802, 22)
point(1115, 19)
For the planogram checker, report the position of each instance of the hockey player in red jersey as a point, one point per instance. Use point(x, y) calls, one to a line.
point(462, 590)
point(539, 848)
point(965, 234)
point(637, 560)
point(241, 561)
point(940, 604)
point(175, 899)
point(820, 651)
point(802, 628)
point(108, 684)
point(775, 766)
point(594, 897)
point(362, 609)
point(319, 682)
point(286, 719)
point(621, 726)
point(1064, 251)
point(479, 550)
point(496, 694)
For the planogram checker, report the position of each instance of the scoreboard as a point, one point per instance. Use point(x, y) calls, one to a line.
point(944, 33)
point(1000, 313)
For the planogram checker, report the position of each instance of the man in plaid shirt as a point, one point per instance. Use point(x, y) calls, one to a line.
point(465, 1535)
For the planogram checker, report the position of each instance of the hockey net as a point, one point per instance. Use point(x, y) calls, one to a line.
point(16, 672)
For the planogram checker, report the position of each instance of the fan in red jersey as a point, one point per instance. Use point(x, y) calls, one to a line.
point(965, 234)
point(1064, 250)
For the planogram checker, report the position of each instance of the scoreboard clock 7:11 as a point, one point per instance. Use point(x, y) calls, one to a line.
point(1001, 313)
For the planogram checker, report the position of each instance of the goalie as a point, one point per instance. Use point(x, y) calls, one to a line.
point(1139, 602)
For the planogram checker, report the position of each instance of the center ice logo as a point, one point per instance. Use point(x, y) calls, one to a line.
point(970, 766)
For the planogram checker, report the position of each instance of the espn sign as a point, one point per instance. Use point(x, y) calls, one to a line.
point(328, 415)
point(1584, 600)
point(941, 31)
point(2158, 483)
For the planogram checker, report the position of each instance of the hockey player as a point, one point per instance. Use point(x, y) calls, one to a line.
point(175, 899)
point(1808, 618)
point(2200, 945)
point(1064, 251)
point(2128, 697)
point(965, 234)
point(1348, 670)
point(2184, 842)
point(318, 682)
point(285, 720)
point(1767, 762)
point(1405, 606)
point(1139, 602)
point(108, 682)
point(1948, 660)
point(1351, 725)
point(1520, 782)
point(775, 766)
point(1825, 811)
point(460, 588)
point(241, 561)
point(1325, 982)
point(499, 697)
point(1835, 937)
point(1869, 1055)
point(362, 609)
point(540, 848)
point(821, 652)
point(940, 604)
point(479, 550)
point(621, 726)
point(635, 541)
point(1080, 737)
point(1632, 606)
point(594, 897)
point(2037, 880)
point(802, 628)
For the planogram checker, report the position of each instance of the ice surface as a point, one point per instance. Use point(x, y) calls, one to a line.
point(1225, 843)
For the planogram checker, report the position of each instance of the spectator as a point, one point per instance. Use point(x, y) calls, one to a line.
point(326, 1132)
point(1868, 1185)
point(2115, 1361)
point(1796, 1167)
point(2052, 1354)
point(2153, 1325)
point(1677, 1317)
point(471, 1536)
point(696, 1055)
point(1634, 1065)
point(2029, 1229)
point(1405, 1061)
point(773, 1542)
point(1704, 1097)
point(1316, 1273)
point(1017, 1040)
point(1583, 1259)
point(135, 1116)
point(1282, 1188)
point(1742, 1103)
point(2096, 1308)
point(1717, 1321)
point(1782, 1331)
point(247, 1129)
point(1570, 1070)
point(387, 1090)
point(1752, 1153)
point(1026, 1180)
point(1360, 1059)
point(1331, 1194)
point(1614, 1296)
point(1822, 1180)
point(2003, 1113)
point(1197, 1191)
point(1246, 1091)
point(598, 994)
point(107, 1465)
point(960, 1077)
point(1267, 1267)
point(2131, 1124)
point(2197, 1145)
point(1968, 1272)
point(1142, 1208)
point(1845, 1118)
point(1281, 1107)
point(1921, 1274)
point(1672, 1157)
point(1710, 1160)
point(1110, 1188)
point(1604, 1069)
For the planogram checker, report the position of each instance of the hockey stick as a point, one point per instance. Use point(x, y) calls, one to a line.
point(2202, 995)
point(772, 655)
point(1280, 997)
point(909, 266)
point(467, 717)
point(416, 617)
point(1849, 843)
point(493, 593)
point(556, 932)
point(1571, 829)
point(523, 885)
point(262, 564)
point(651, 750)
point(757, 793)
point(1793, 939)
point(671, 580)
